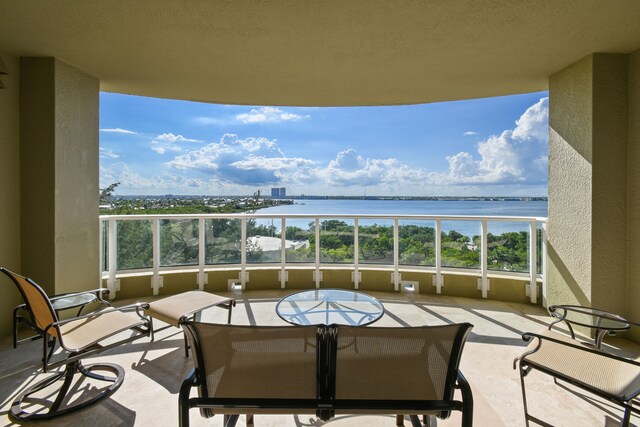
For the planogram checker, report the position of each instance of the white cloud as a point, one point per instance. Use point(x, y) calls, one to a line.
point(211, 121)
point(132, 182)
point(250, 161)
point(118, 130)
point(168, 142)
point(462, 164)
point(268, 115)
point(351, 169)
point(128, 179)
point(534, 123)
point(108, 154)
point(171, 138)
point(515, 156)
point(470, 133)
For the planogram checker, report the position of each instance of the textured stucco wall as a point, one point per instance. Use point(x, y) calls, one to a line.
point(461, 285)
point(570, 185)
point(9, 188)
point(588, 121)
point(76, 179)
point(37, 172)
point(633, 194)
point(59, 175)
point(610, 136)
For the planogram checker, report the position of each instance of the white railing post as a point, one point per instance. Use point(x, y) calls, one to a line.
point(101, 251)
point(438, 237)
point(396, 255)
point(156, 279)
point(484, 248)
point(356, 254)
point(243, 252)
point(533, 261)
point(113, 258)
point(544, 264)
point(318, 273)
point(202, 279)
point(283, 253)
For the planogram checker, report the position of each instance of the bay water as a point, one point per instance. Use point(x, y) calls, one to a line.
point(421, 207)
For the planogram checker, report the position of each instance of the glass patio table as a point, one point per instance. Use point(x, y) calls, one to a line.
point(602, 322)
point(329, 306)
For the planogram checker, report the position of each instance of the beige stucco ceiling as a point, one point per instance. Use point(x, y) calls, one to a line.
point(325, 52)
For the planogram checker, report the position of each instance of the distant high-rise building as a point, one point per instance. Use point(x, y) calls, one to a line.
point(279, 193)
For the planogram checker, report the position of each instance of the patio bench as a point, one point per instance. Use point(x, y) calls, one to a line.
point(325, 370)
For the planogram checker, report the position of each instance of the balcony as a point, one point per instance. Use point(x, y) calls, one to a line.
point(154, 370)
point(449, 255)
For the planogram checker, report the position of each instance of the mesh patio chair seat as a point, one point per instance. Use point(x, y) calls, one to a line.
point(611, 377)
point(79, 337)
point(62, 302)
point(325, 370)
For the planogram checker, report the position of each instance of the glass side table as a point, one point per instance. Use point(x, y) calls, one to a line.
point(329, 306)
point(602, 322)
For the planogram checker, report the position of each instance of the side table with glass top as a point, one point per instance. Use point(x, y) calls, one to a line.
point(602, 322)
point(329, 307)
point(62, 302)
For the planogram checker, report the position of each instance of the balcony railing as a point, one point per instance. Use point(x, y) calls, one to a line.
point(510, 247)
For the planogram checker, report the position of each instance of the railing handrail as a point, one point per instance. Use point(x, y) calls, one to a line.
point(330, 216)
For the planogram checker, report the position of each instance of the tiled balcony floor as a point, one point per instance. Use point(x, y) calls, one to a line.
point(154, 370)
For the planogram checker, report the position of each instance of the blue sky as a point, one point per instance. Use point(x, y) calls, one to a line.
point(491, 146)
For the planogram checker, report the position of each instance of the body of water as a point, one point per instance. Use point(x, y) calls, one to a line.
point(423, 207)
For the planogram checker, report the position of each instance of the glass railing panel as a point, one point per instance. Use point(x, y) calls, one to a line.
point(375, 241)
point(178, 242)
point(222, 239)
point(417, 242)
point(461, 244)
point(336, 240)
point(264, 241)
point(300, 243)
point(135, 244)
point(508, 246)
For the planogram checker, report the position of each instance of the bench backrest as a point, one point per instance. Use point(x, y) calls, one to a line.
point(417, 363)
point(326, 365)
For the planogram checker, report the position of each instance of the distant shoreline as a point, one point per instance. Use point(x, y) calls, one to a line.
point(310, 197)
point(432, 198)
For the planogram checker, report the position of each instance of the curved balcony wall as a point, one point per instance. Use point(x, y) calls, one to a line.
point(477, 257)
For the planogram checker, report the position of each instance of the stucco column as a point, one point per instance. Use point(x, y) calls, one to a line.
point(59, 175)
point(633, 194)
point(587, 231)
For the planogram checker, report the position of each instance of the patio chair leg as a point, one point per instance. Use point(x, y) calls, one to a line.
point(17, 414)
point(399, 420)
point(15, 327)
point(415, 421)
point(229, 309)
point(626, 419)
point(524, 395)
point(231, 420)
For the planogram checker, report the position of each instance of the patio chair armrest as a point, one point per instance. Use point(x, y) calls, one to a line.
point(528, 336)
point(138, 307)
